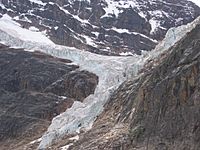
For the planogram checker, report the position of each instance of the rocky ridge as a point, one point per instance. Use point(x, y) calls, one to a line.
point(108, 79)
point(82, 115)
point(106, 27)
point(159, 110)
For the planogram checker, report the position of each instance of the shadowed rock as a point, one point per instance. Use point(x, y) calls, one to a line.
point(159, 110)
point(107, 27)
point(26, 106)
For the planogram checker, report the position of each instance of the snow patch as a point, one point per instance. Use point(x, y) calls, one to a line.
point(74, 138)
point(66, 147)
point(2, 6)
point(154, 25)
point(51, 3)
point(116, 7)
point(38, 2)
point(72, 1)
point(126, 54)
point(34, 29)
point(96, 33)
point(197, 2)
point(36, 141)
point(56, 28)
point(135, 33)
point(14, 29)
point(89, 41)
point(24, 18)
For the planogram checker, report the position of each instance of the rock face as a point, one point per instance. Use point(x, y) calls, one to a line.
point(107, 27)
point(160, 110)
point(77, 84)
point(28, 93)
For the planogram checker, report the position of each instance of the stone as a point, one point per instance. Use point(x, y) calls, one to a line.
point(30, 94)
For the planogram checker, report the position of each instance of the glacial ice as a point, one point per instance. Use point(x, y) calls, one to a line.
point(111, 70)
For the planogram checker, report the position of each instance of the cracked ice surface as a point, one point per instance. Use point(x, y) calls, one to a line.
point(112, 71)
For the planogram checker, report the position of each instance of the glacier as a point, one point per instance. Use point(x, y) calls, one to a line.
point(111, 70)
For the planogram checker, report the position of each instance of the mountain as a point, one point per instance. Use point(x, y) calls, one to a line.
point(117, 112)
point(58, 97)
point(158, 110)
point(34, 88)
point(109, 27)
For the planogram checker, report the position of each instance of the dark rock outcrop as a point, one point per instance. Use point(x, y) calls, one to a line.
point(31, 93)
point(160, 110)
point(106, 27)
point(83, 84)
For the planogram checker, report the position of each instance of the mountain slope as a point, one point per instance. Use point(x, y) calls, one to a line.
point(107, 27)
point(111, 70)
point(34, 88)
point(159, 110)
point(136, 100)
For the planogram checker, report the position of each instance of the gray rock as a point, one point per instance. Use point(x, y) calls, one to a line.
point(158, 111)
point(26, 106)
point(71, 22)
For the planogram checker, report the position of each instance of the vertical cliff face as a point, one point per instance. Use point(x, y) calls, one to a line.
point(159, 110)
point(168, 110)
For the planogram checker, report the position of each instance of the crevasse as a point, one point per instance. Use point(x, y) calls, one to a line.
point(111, 70)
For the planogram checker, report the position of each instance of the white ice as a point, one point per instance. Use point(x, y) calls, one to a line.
point(13, 28)
point(197, 2)
point(111, 70)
